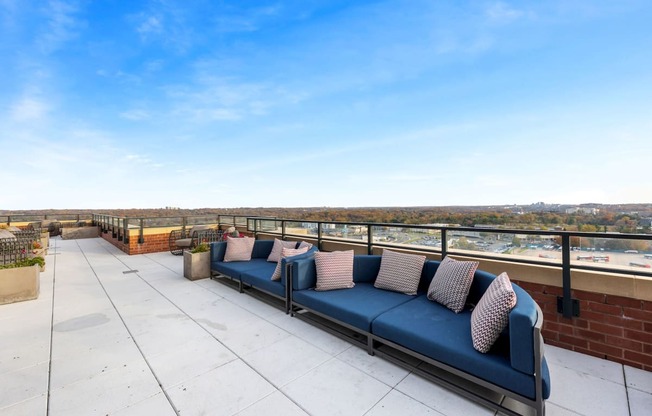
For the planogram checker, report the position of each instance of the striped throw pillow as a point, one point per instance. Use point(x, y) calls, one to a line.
point(285, 253)
point(239, 249)
point(275, 254)
point(451, 284)
point(400, 272)
point(491, 314)
point(334, 270)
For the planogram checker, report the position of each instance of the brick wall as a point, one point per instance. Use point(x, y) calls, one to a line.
point(154, 243)
point(610, 327)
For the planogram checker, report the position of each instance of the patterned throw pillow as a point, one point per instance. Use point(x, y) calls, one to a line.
point(334, 270)
point(285, 253)
point(239, 249)
point(491, 315)
point(451, 283)
point(400, 272)
point(279, 245)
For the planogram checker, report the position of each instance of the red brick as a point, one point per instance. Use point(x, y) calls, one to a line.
point(647, 348)
point(647, 305)
point(574, 341)
point(589, 296)
point(645, 337)
point(580, 323)
point(624, 343)
point(647, 326)
point(549, 336)
point(638, 314)
point(608, 350)
point(607, 329)
point(625, 302)
point(589, 335)
point(608, 309)
point(553, 290)
point(645, 359)
point(531, 287)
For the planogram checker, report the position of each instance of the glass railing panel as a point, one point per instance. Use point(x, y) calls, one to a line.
point(162, 222)
point(420, 238)
point(616, 253)
point(521, 246)
point(269, 226)
point(300, 228)
point(344, 231)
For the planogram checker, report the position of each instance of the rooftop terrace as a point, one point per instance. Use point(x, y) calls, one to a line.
point(128, 335)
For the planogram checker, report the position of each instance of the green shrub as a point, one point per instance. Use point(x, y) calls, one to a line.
point(25, 263)
point(201, 248)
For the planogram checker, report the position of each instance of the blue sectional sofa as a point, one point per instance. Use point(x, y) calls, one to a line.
point(391, 323)
point(256, 272)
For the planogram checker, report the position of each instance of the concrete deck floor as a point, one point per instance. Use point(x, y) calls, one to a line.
point(149, 342)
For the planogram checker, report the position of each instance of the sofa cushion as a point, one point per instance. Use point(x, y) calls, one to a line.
point(285, 253)
point(334, 270)
point(239, 249)
point(434, 331)
point(400, 272)
point(357, 306)
point(491, 315)
point(235, 268)
point(279, 245)
point(258, 277)
point(451, 283)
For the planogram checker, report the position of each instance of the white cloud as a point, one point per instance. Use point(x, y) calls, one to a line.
point(135, 115)
point(29, 109)
point(501, 13)
point(62, 25)
point(150, 25)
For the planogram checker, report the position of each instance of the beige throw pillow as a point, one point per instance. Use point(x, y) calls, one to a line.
point(239, 249)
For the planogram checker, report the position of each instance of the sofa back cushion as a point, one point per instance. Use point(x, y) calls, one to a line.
point(239, 249)
point(400, 272)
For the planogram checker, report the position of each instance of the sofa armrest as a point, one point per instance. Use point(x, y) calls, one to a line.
point(290, 260)
point(217, 251)
point(522, 320)
point(304, 274)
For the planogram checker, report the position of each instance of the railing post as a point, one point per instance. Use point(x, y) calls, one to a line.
point(125, 237)
point(184, 221)
point(444, 243)
point(568, 306)
point(370, 249)
point(141, 236)
point(319, 235)
point(282, 229)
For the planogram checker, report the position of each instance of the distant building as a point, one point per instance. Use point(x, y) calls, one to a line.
point(582, 210)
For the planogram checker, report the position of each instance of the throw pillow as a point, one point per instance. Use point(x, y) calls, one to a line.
point(334, 270)
point(275, 254)
point(491, 315)
point(305, 244)
point(451, 283)
point(400, 272)
point(239, 249)
point(285, 253)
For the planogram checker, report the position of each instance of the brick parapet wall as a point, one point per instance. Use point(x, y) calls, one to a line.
point(615, 328)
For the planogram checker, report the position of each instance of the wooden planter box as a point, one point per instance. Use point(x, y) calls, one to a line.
point(19, 284)
point(197, 265)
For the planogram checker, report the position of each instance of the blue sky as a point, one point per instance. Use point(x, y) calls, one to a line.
point(145, 104)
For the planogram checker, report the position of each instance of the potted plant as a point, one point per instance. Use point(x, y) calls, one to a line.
point(197, 262)
point(20, 281)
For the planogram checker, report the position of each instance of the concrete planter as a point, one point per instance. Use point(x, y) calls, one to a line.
point(19, 284)
point(197, 265)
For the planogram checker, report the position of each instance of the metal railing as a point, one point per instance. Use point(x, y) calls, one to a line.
point(444, 240)
point(19, 247)
point(627, 254)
